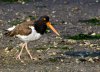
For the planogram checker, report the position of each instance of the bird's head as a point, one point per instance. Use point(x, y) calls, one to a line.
point(45, 19)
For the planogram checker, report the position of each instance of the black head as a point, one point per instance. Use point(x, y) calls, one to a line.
point(44, 19)
point(42, 23)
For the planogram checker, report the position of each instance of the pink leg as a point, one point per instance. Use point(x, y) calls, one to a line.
point(28, 51)
point(18, 56)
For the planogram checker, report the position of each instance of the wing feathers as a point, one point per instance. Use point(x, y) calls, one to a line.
point(21, 29)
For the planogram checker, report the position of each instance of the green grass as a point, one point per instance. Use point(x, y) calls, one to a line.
point(53, 59)
point(84, 37)
point(65, 48)
point(41, 48)
point(93, 21)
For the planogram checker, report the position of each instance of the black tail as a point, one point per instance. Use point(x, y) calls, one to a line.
point(7, 33)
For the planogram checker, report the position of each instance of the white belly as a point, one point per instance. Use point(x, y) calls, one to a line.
point(33, 36)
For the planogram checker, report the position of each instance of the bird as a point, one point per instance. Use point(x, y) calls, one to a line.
point(30, 31)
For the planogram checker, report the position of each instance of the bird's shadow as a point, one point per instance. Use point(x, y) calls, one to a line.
point(82, 53)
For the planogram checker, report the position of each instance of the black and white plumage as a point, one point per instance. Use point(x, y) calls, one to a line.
point(30, 31)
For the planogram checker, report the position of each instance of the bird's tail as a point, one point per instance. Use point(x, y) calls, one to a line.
point(8, 33)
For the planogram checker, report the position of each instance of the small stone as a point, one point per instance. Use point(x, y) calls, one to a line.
point(91, 60)
point(97, 48)
point(87, 43)
point(53, 11)
point(28, 19)
point(17, 13)
point(33, 12)
point(77, 61)
point(97, 57)
point(56, 20)
point(81, 44)
point(57, 67)
point(9, 20)
point(71, 41)
point(23, 2)
point(62, 60)
point(54, 53)
point(65, 23)
point(51, 53)
point(6, 50)
point(55, 44)
point(22, 61)
point(91, 45)
point(39, 51)
point(93, 34)
point(62, 54)
point(58, 37)
point(75, 9)
point(97, 1)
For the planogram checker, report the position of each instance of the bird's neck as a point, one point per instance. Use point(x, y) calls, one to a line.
point(40, 27)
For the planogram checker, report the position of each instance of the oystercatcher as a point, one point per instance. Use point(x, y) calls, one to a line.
point(30, 31)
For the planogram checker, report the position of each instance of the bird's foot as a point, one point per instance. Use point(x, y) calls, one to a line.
point(31, 56)
point(18, 57)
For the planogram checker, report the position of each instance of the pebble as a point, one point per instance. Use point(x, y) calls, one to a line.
point(53, 11)
point(65, 23)
point(52, 53)
point(62, 60)
point(91, 60)
point(77, 61)
point(91, 45)
point(93, 34)
point(97, 48)
point(57, 67)
point(97, 1)
point(55, 44)
point(39, 51)
point(71, 41)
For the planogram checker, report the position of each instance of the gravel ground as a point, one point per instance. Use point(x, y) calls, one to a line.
point(53, 54)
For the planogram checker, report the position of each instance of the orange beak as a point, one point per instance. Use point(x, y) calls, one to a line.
point(52, 28)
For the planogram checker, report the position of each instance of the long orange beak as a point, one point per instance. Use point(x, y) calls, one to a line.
point(52, 28)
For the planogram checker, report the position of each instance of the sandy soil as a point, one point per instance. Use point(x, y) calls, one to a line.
point(54, 54)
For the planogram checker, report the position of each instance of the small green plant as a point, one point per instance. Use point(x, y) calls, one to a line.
point(41, 48)
point(53, 59)
point(93, 21)
point(84, 37)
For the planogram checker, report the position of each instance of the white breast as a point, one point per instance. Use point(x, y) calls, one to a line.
point(33, 36)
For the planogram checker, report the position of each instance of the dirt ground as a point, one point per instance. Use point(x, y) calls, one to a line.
point(52, 53)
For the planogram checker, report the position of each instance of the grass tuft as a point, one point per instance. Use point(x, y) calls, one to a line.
point(93, 21)
point(84, 37)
